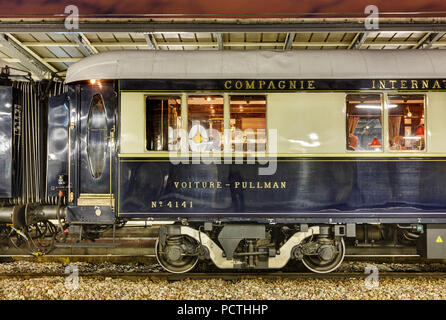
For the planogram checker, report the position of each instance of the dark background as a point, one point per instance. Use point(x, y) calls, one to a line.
point(300, 8)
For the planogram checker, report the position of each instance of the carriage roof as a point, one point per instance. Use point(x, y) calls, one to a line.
point(308, 64)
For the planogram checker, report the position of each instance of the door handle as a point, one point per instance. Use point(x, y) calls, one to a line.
point(70, 193)
point(112, 145)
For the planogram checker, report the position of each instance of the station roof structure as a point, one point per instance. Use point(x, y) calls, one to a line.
point(43, 45)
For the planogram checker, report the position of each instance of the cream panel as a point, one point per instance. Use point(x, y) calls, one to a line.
point(436, 122)
point(308, 122)
point(132, 122)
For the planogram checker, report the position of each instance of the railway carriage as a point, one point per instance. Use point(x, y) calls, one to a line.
point(247, 159)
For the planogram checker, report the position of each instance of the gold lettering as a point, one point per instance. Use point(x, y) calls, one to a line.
point(236, 184)
point(414, 84)
point(293, 84)
point(153, 204)
point(382, 84)
point(250, 85)
point(219, 185)
point(267, 185)
point(392, 82)
point(373, 84)
point(311, 84)
point(281, 84)
point(404, 84)
point(238, 85)
point(436, 85)
point(176, 183)
point(301, 84)
point(271, 85)
point(275, 185)
point(425, 84)
point(283, 184)
point(228, 84)
point(261, 84)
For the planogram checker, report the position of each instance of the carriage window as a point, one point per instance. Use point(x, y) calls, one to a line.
point(364, 122)
point(406, 122)
point(163, 123)
point(248, 123)
point(97, 136)
point(205, 123)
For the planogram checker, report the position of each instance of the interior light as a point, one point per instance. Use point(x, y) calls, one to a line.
point(368, 106)
point(208, 99)
point(93, 81)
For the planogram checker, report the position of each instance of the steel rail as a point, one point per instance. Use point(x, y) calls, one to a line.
point(229, 276)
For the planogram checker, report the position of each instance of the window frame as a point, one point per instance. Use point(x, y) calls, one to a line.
point(245, 94)
point(160, 95)
point(425, 99)
point(185, 113)
point(383, 123)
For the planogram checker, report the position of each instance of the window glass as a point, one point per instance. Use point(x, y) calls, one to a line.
point(163, 123)
point(205, 123)
point(364, 122)
point(406, 122)
point(97, 136)
point(248, 123)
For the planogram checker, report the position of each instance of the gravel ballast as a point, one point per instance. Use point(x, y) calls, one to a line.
point(107, 288)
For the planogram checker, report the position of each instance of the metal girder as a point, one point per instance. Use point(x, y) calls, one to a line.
point(83, 43)
point(219, 27)
point(220, 41)
point(359, 40)
point(232, 43)
point(429, 40)
point(151, 41)
point(45, 66)
point(38, 68)
point(289, 41)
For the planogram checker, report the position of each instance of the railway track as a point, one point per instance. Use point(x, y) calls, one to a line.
point(229, 276)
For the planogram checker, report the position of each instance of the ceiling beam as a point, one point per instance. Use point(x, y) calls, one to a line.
point(289, 41)
point(220, 41)
point(83, 44)
point(359, 40)
point(25, 57)
point(218, 27)
point(422, 40)
point(45, 66)
point(151, 41)
point(230, 44)
point(430, 40)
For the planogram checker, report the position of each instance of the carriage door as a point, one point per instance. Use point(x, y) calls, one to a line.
point(96, 140)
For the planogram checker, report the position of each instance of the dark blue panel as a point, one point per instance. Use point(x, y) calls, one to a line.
point(6, 142)
point(58, 122)
point(303, 186)
point(87, 182)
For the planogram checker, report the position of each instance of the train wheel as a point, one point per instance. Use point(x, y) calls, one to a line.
point(173, 260)
point(319, 265)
